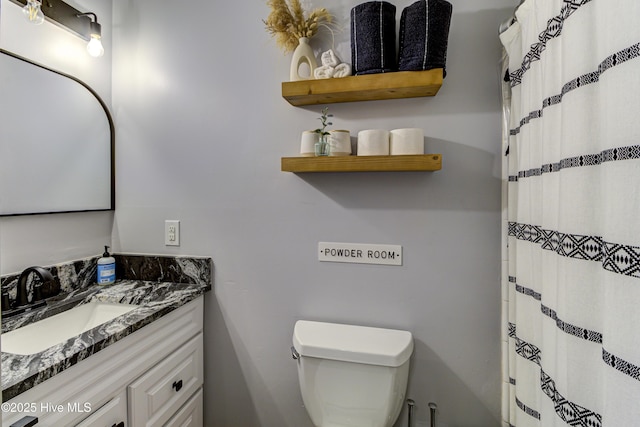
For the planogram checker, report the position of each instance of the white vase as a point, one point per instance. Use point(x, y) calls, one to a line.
point(301, 55)
point(340, 142)
point(308, 143)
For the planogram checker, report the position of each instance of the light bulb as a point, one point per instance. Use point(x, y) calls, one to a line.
point(33, 13)
point(94, 47)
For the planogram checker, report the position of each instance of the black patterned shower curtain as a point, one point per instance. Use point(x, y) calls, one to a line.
point(571, 285)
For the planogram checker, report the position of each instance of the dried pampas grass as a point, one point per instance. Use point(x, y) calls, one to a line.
point(287, 23)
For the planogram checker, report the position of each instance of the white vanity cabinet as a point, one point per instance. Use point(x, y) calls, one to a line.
point(152, 377)
point(112, 413)
point(162, 390)
point(191, 413)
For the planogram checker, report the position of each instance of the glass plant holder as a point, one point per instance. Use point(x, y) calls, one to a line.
point(322, 146)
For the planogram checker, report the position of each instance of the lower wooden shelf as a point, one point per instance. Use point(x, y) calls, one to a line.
point(404, 163)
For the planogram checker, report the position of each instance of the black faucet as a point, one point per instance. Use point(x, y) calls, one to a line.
point(21, 291)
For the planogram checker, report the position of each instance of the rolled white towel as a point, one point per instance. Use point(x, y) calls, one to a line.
point(323, 72)
point(342, 70)
point(329, 58)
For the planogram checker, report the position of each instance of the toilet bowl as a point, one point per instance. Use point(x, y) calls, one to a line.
point(351, 376)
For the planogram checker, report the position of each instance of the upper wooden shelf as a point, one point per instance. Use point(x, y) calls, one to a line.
point(405, 163)
point(368, 87)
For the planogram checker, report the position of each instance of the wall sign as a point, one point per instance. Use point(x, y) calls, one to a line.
point(360, 253)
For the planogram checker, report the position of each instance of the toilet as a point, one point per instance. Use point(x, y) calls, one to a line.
point(351, 376)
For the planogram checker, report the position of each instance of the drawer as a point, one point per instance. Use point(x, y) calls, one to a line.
point(112, 413)
point(163, 389)
point(190, 415)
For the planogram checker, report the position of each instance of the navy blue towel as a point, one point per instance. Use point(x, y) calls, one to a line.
point(424, 33)
point(373, 38)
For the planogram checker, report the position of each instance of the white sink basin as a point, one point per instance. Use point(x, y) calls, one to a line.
point(39, 336)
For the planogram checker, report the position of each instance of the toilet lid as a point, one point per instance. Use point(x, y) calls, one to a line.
point(350, 343)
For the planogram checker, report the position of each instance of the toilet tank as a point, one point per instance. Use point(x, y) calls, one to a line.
point(351, 375)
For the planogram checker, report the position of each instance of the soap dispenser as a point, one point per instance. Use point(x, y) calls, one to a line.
point(106, 268)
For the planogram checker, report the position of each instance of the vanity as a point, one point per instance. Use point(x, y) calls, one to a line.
point(141, 368)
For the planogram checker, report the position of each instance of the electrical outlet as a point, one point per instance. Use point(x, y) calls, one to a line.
point(172, 233)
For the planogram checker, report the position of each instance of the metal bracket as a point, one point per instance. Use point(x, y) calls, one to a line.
point(65, 16)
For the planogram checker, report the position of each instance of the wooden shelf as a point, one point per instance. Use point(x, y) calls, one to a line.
point(368, 87)
point(406, 163)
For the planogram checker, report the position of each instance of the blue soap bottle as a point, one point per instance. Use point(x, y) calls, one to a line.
point(106, 268)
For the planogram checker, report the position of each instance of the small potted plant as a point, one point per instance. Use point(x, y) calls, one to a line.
point(322, 146)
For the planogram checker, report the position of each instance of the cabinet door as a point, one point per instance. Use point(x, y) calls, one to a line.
point(190, 415)
point(111, 414)
point(162, 390)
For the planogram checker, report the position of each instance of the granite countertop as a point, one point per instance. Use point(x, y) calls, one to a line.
point(155, 299)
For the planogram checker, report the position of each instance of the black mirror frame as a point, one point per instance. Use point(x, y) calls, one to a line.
point(111, 129)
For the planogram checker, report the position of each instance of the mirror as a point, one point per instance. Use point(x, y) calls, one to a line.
point(56, 142)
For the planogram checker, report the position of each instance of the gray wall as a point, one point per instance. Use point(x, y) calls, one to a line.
point(201, 129)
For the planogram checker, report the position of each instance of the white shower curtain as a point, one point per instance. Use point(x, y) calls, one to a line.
point(571, 291)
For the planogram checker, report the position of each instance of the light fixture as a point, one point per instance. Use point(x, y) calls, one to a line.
point(33, 12)
point(84, 25)
point(94, 47)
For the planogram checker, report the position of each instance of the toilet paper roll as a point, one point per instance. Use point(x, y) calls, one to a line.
point(340, 142)
point(308, 143)
point(373, 142)
point(406, 141)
